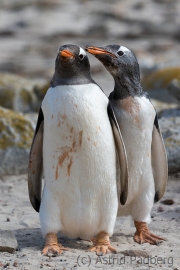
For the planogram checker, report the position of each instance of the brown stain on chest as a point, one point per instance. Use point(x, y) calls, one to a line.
point(98, 129)
point(80, 137)
point(69, 166)
point(129, 105)
point(132, 108)
point(66, 152)
point(64, 116)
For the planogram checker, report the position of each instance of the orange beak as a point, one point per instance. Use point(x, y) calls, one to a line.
point(66, 53)
point(97, 50)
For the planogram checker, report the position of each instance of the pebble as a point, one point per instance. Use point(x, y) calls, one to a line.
point(168, 202)
point(8, 242)
point(136, 253)
point(160, 209)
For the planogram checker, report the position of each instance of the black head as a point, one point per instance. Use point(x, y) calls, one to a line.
point(71, 66)
point(121, 64)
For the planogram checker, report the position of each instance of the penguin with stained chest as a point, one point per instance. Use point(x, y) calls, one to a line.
point(75, 149)
point(138, 123)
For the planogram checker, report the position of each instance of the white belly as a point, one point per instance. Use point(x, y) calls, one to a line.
point(79, 159)
point(136, 119)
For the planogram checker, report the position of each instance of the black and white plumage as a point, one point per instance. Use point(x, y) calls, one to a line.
point(74, 148)
point(138, 123)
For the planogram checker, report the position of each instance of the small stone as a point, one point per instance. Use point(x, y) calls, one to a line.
point(168, 202)
point(160, 209)
point(47, 264)
point(15, 264)
point(136, 253)
point(8, 242)
point(8, 219)
point(6, 265)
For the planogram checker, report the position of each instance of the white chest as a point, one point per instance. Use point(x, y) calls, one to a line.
point(77, 131)
point(79, 160)
point(136, 119)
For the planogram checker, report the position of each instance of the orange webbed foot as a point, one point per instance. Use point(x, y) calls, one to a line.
point(52, 246)
point(53, 249)
point(143, 234)
point(101, 245)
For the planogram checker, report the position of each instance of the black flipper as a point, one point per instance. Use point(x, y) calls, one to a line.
point(122, 158)
point(159, 162)
point(35, 166)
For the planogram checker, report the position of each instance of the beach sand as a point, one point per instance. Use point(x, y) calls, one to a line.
point(17, 215)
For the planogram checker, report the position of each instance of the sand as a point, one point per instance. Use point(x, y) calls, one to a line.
point(17, 214)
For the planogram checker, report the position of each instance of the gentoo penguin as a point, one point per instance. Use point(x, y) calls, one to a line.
point(138, 123)
point(75, 149)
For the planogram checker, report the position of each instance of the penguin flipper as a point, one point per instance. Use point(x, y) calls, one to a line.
point(159, 162)
point(121, 155)
point(35, 166)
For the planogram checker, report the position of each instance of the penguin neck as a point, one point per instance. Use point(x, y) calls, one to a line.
point(59, 79)
point(125, 88)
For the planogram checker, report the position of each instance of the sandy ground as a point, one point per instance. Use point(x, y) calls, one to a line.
point(17, 214)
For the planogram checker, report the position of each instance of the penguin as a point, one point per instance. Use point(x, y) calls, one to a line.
point(76, 149)
point(138, 123)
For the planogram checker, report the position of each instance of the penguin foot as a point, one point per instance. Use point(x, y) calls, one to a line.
point(101, 244)
point(52, 246)
point(143, 234)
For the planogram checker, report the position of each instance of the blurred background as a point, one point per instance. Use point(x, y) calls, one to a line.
point(31, 33)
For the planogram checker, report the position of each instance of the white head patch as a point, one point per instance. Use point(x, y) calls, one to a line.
point(123, 49)
point(81, 51)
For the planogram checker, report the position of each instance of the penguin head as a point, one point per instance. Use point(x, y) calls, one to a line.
point(71, 64)
point(118, 60)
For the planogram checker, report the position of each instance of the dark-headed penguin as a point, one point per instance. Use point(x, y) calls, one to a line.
point(137, 120)
point(75, 149)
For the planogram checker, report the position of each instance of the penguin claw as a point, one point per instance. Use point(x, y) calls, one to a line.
point(55, 249)
point(101, 244)
point(147, 238)
point(102, 249)
point(52, 246)
point(143, 235)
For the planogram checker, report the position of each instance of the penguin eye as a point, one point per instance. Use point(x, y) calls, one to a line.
point(81, 56)
point(120, 53)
